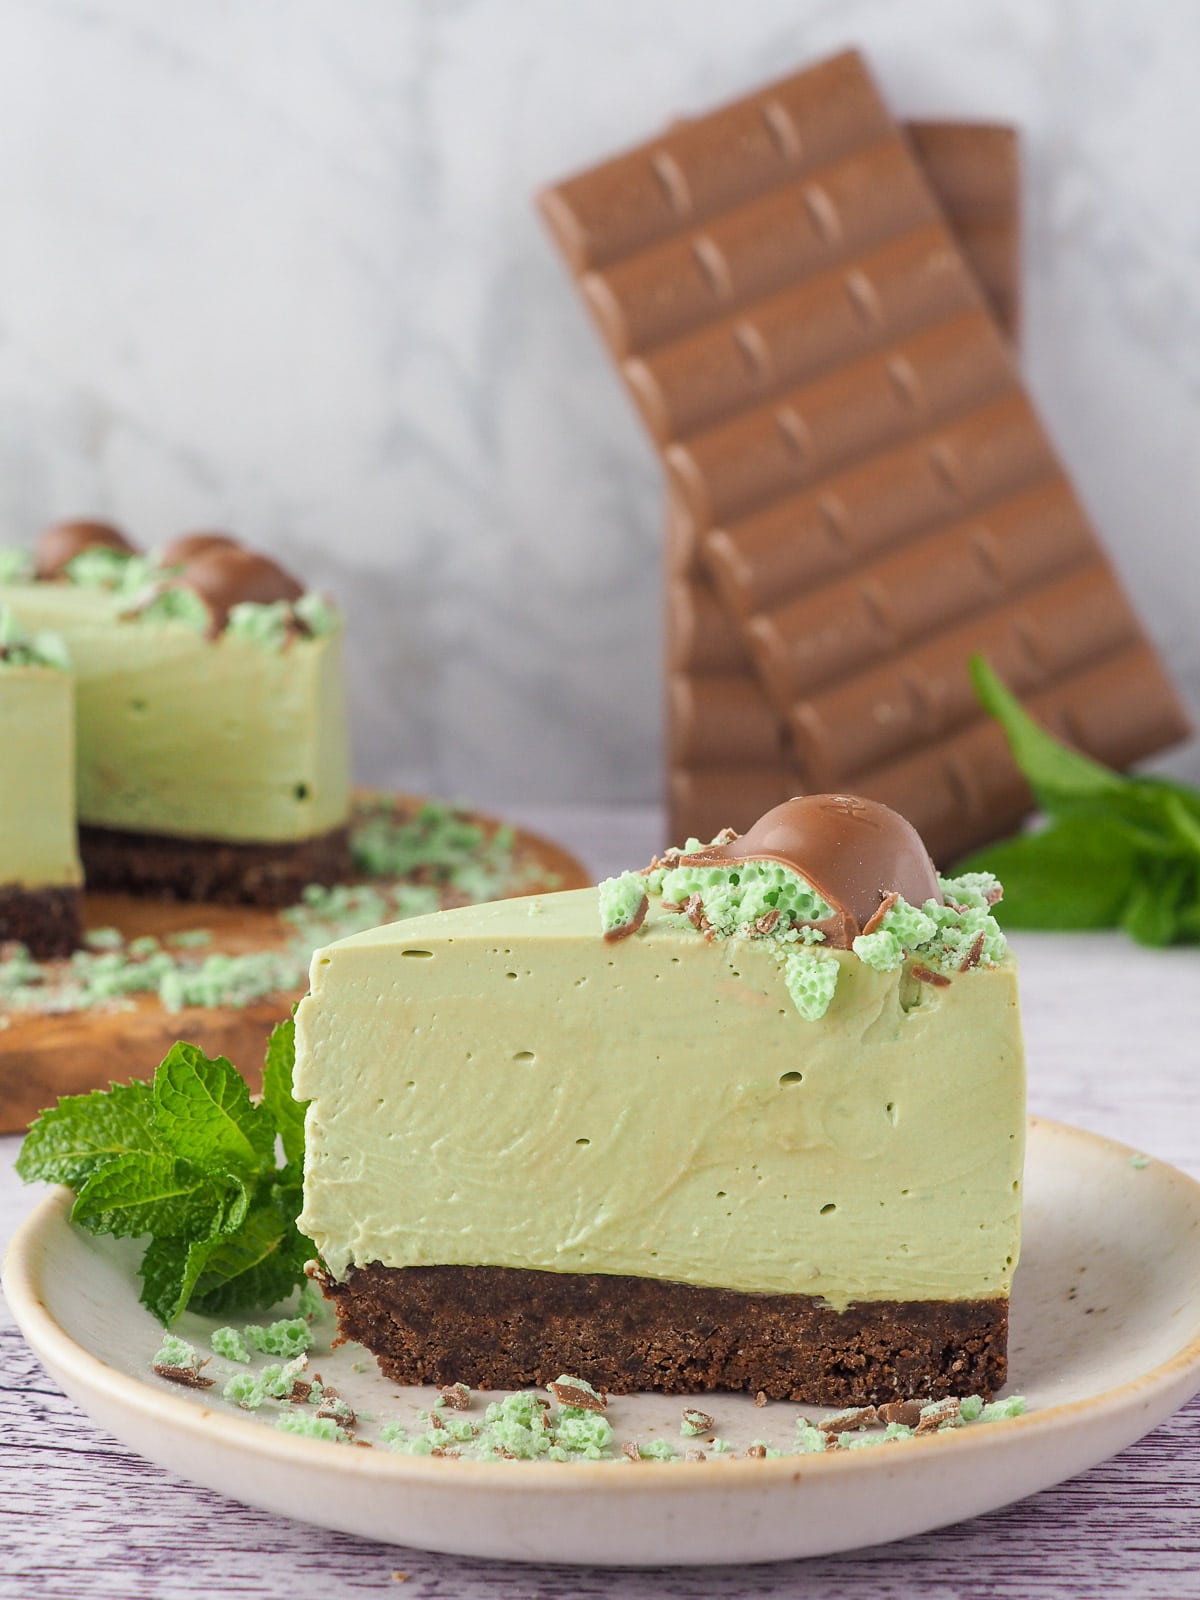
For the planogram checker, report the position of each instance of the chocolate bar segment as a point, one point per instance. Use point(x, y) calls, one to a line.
point(975, 171)
point(702, 378)
point(837, 407)
point(701, 167)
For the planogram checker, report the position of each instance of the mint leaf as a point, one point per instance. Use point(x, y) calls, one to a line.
point(1077, 873)
point(1151, 914)
point(191, 1161)
point(1119, 851)
point(169, 1271)
point(287, 1113)
point(204, 1112)
point(83, 1131)
point(1055, 773)
point(150, 1193)
point(256, 1266)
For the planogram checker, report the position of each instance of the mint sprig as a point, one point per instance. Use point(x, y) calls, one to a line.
point(1117, 851)
point(191, 1161)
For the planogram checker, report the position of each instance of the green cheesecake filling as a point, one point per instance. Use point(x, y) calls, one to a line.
point(240, 737)
point(499, 1086)
point(37, 759)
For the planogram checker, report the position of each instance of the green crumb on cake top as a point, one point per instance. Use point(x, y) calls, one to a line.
point(21, 649)
point(267, 624)
point(316, 615)
point(775, 909)
point(174, 603)
point(811, 981)
point(101, 567)
point(16, 564)
point(623, 903)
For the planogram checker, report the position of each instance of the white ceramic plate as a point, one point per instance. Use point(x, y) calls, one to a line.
point(1105, 1345)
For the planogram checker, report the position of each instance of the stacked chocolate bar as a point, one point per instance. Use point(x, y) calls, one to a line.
point(812, 310)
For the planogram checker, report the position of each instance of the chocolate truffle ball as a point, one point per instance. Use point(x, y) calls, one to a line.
point(854, 852)
point(226, 575)
point(58, 546)
point(190, 545)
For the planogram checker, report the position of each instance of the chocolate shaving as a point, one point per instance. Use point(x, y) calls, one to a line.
point(632, 1450)
point(444, 1450)
point(767, 922)
point(567, 1394)
point(671, 905)
point(301, 1390)
point(973, 955)
point(840, 930)
point(670, 858)
point(885, 905)
point(346, 1417)
point(694, 1455)
point(455, 1395)
point(694, 910)
point(726, 836)
point(943, 1411)
point(847, 1421)
point(939, 980)
point(187, 1377)
point(632, 926)
point(760, 1399)
point(697, 1421)
point(756, 1452)
point(994, 894)
point(435, 1421)
point(905, 1412)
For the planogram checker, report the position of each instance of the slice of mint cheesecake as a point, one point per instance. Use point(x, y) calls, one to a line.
point(40, 872)
point(750, 1119)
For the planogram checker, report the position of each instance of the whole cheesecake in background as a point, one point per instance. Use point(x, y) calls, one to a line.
point(40, 872)
point(752, 1118)
point(212, 755)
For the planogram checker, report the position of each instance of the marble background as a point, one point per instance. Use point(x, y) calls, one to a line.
point(271, 264)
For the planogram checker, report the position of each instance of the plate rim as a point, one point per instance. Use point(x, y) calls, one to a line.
point(60, 1351)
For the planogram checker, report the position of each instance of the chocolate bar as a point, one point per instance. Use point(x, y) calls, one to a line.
point(830, 392)
point(974, 169)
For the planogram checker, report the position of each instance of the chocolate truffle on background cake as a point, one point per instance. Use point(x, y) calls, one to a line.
point(212, 755)
point(750, 1119)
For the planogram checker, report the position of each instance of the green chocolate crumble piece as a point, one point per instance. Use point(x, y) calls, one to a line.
point(289, 1337)
point(229, 1345)
point(623, 905)
point(306, 1426)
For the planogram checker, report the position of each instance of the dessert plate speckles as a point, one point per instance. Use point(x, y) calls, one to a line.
point(1105, 1345)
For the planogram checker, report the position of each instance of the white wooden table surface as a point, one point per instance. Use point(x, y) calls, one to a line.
point(1113, 1037)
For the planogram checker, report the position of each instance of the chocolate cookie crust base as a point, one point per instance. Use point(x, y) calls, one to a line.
point(160, 867)
point(505, 1328)
point(46, 921)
